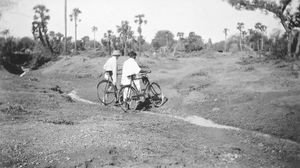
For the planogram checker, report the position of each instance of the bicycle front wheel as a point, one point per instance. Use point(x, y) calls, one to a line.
point(128, 98)
point(155, 94)
point(106, 92)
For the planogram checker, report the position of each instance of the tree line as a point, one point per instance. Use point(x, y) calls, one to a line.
point(289, 20)
point(46, 44)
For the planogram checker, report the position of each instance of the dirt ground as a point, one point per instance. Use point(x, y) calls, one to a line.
point(42, 126)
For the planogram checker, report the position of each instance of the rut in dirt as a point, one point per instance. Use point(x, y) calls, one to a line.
point(196, 120)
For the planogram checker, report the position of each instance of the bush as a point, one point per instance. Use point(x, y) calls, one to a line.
point(279, 47)
point(14, 54)
point(41, 55)
point(11, 58)
point(25, 43)
point(8, 48)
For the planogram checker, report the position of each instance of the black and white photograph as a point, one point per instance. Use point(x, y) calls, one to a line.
point(149, 83)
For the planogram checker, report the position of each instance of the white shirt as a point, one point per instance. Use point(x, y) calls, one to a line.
point(111, 65)
point(130, 67)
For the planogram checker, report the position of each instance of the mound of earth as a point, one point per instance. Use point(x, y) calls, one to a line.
point(41, 125)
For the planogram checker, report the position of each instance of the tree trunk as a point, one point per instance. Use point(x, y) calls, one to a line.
point(297, 52)
point(175, 48)
point(140, 45)
point(241, 48)
point(75, 35)
point(109, 48)
point(289, 45)
point(225, 44)
point(65, 47)
point(94, 40)
point(48, 43)
point(125, 48)
point(41, 37)
point(262, 44)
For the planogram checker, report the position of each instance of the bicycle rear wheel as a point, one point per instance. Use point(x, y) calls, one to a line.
point(106, 92)
point(128, 98)
point(155, 94)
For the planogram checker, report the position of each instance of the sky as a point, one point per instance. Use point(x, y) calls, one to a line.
point(206, 18)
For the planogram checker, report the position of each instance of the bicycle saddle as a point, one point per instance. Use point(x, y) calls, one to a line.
point(109, 73)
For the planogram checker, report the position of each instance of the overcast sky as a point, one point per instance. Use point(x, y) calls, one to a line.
point(207, 18)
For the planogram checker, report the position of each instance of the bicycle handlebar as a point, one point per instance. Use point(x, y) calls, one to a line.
point(145, 71)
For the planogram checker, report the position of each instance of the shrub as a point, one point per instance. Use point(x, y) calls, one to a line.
point(25, 43)
point(279, 47)
point(40, 56)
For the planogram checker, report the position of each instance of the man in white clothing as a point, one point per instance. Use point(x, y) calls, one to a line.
point(130, 67)
point(110, 67)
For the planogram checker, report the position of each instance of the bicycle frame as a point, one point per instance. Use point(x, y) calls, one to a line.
point(141, 91)
point(130, 95)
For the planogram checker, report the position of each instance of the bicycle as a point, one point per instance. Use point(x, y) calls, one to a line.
point(130, 96)
point(106, 90)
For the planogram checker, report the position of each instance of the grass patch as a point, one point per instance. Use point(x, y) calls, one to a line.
point(250, 60)
point(249, 68)
point(57, 89)
point(201, 73)
point(14, 109)
point(59, 122)
point(83, 75)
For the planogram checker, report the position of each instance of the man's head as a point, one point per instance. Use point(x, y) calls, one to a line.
point(116, 53)
point(132, 54)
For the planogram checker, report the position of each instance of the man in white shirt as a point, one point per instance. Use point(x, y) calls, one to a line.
point(110, 67)
point(130, 67)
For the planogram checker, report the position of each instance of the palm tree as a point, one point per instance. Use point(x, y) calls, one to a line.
point(226, 30)
point(251, 33)
point(262, 28)
point(125, 34)
point(5, 33)
point(180, 35)
point(74, 16)
point(139, 20)
point(244, 34)
point(108, 37)
point(94, 29)
point(39, 25)
point(240, 27)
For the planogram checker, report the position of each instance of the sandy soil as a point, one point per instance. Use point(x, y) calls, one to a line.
point(41, 126)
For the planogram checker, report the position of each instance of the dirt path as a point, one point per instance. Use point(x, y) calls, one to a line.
point(41, 126)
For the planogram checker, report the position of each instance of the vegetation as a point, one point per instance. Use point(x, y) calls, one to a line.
point(106, 40)
point(125, 34)
point(193, 42)
point(39, 26)
point(240, 27)
point(75, 17)
point(226, 30)
point(261, 29)
point(140, 20)
point(94, 30)
point(163, 39)
point(282, 11)
point(46, 45)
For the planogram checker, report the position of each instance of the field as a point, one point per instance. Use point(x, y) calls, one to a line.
point(41, 125)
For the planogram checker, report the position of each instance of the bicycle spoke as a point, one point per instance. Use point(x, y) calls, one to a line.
point(127, 101)
point(155, 94)
point(106, 92)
